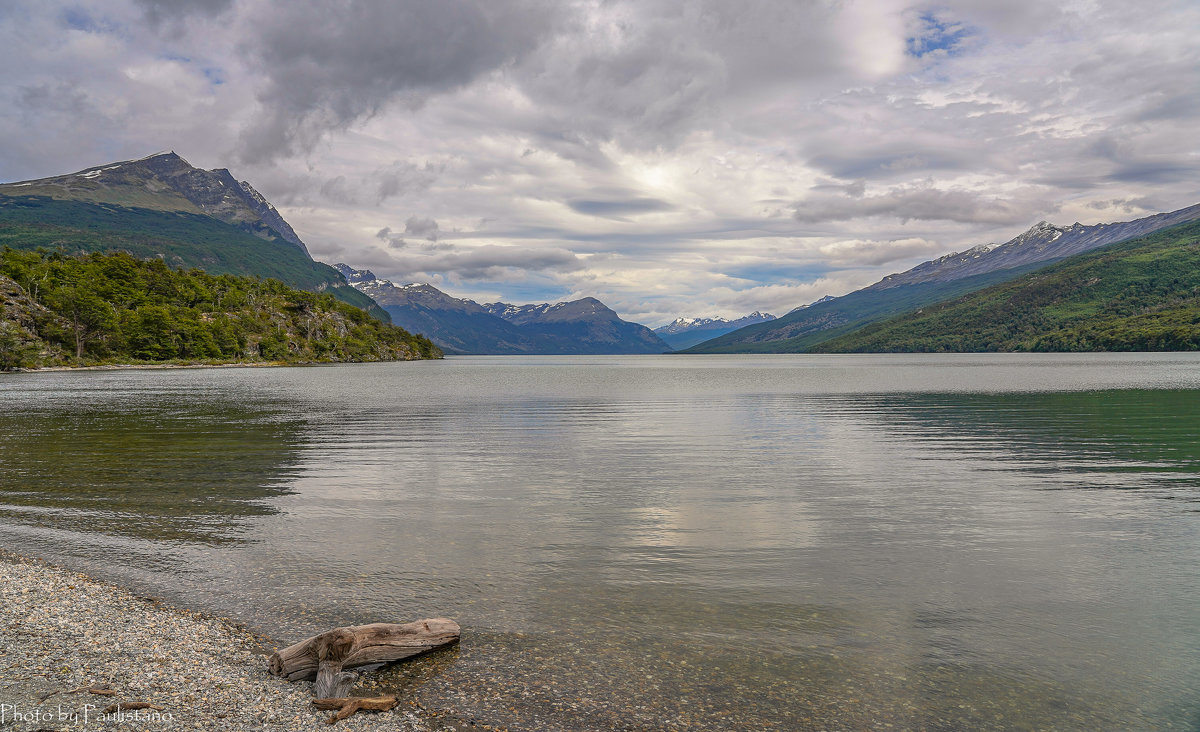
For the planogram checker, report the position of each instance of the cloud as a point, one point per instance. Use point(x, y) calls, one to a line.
point(650, 73)
point(327, 64)
point(870, 252)
point(1126, 205)
point(897, 156)
point(160, 11)
point(60, 98)
point(663, 155)
point(425, 228)
point(1130, 161)
point(336, 190)
point(619, 209)
point(394, 241)
point(923, 201)
point(402, 178)
point(488, 262)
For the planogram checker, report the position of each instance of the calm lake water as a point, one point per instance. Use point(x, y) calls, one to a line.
point(773, 542)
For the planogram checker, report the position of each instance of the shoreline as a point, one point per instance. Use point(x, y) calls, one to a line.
point(156, 366)
point(232, 365)
point(66, 632)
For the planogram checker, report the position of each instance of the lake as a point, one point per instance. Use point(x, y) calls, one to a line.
point(942, 542)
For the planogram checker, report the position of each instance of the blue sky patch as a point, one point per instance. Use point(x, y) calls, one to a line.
point(214, 74)
point(937, 36)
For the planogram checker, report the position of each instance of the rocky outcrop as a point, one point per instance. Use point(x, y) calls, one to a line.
point(20, 319)
point(167, 182)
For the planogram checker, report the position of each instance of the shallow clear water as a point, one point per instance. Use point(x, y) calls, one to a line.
point(840, 542)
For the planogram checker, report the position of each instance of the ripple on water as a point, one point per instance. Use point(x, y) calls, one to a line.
point(657, 543)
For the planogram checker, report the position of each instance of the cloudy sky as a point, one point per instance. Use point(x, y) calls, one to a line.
point(670, 157)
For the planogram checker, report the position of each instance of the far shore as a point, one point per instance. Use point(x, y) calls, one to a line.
point(194, 365)
point(153, 366)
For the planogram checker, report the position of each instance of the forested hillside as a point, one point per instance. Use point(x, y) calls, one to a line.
point(939, 280)
point(114, 308)
point(161, 206)
point(1140, 295)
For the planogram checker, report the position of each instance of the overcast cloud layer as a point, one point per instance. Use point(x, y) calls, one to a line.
point(670, 158)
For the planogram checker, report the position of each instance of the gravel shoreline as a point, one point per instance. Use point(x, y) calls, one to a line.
point(62, 632)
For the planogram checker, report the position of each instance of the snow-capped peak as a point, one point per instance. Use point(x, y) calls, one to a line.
point(681, 325)
point(691, 322)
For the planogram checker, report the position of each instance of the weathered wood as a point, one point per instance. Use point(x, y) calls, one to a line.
point(348, 706)
point(331, 684)
point(358, 646)
point(332, 648)
point(126, 706)
point(89, 689)
point(97, 690)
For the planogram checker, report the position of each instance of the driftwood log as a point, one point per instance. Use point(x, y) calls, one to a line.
point(329, 658)
point(348, 706)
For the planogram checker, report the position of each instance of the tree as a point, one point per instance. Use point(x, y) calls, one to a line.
point(152, 334)
point(15, 349)
point(75, 296)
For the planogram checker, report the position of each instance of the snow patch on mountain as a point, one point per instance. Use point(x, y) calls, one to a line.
point(685, 324)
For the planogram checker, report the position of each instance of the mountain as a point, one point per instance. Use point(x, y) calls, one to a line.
point(113, 308)
point(166, 182)
point(458, 325)
point(1138, 295)
point(826, 298)
point(935, 281)
point(1041, 243)
point(579, 326)
point(160, 206)
point(687, 332)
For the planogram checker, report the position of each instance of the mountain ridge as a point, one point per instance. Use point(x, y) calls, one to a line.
point(1041, 242)
point(460, 325)
point(160, 206)
point(685, 332)
point(949, 276)
point(1142, 294)
point(213, 192)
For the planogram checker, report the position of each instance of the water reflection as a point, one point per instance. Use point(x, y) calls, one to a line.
point(646, 543)
point(179, 471)
point(1089, 439)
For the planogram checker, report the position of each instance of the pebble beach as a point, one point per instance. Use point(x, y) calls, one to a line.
point(71, 646)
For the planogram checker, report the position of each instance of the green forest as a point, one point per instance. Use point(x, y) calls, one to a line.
point(1140, 295)
point(180, 238)
point(94, 309)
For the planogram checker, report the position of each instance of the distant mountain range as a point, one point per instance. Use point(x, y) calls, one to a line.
point(687, 332)
point(457, 325)
point(160, 207)
point(939, 280)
